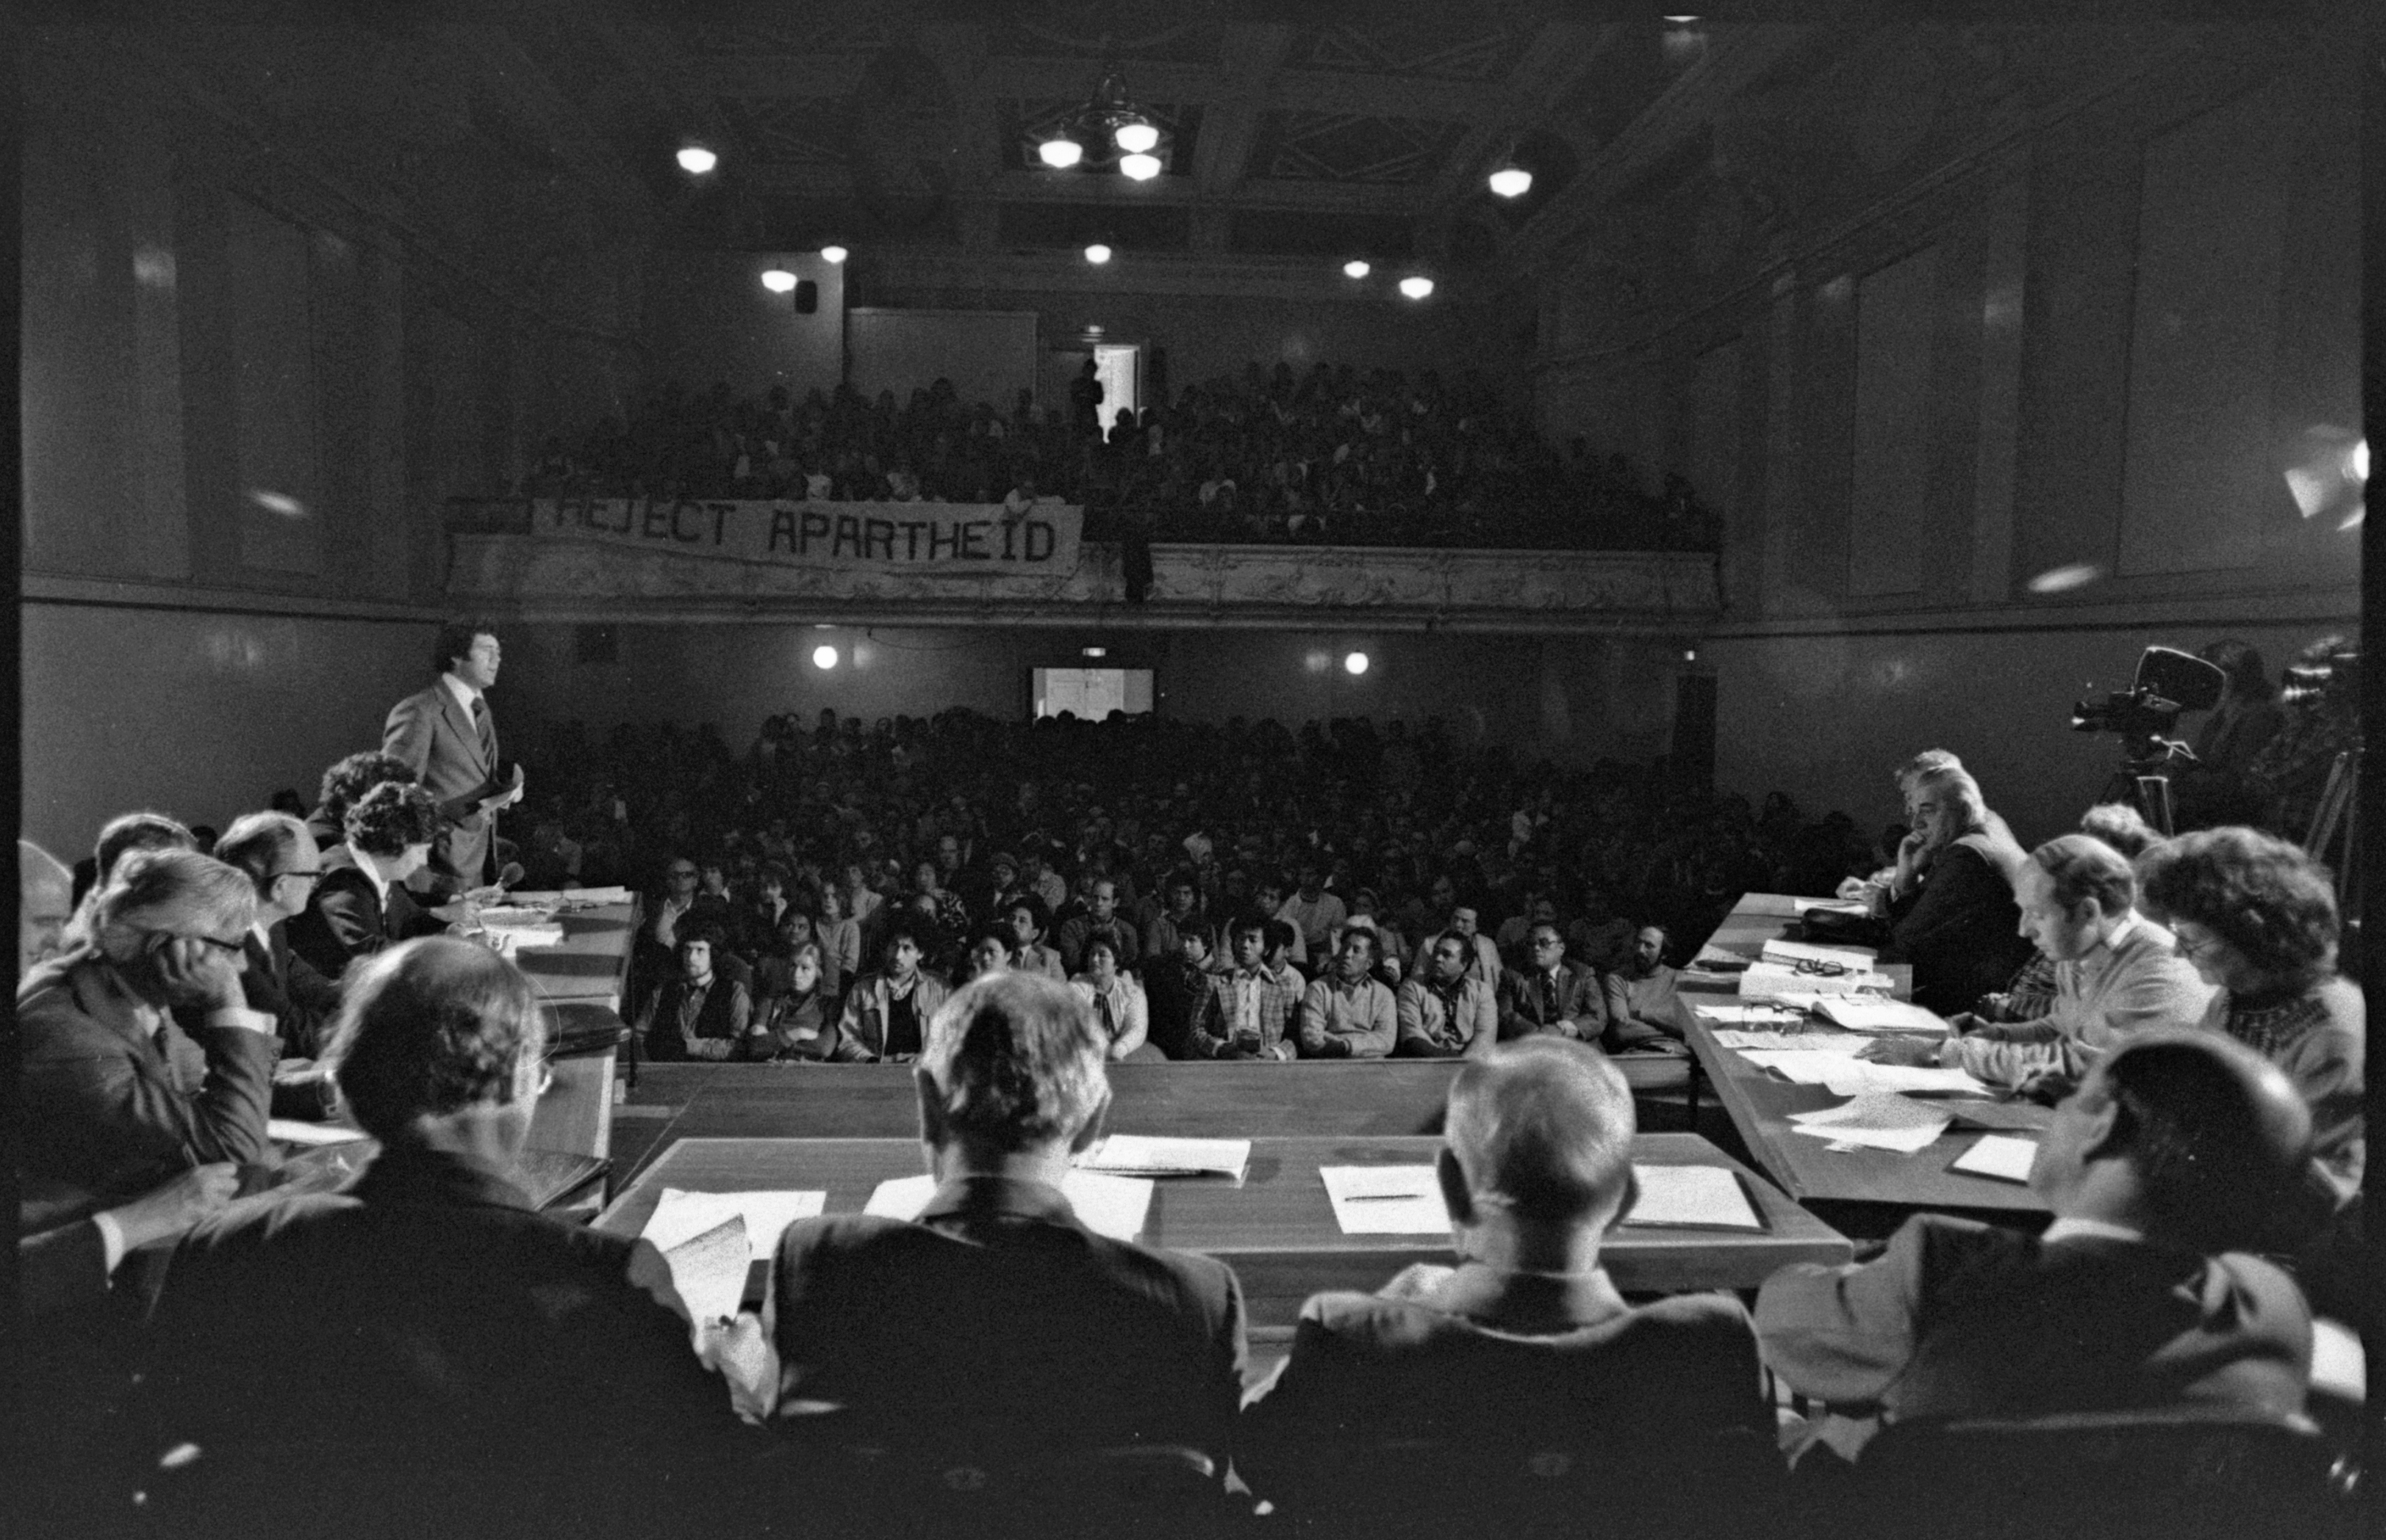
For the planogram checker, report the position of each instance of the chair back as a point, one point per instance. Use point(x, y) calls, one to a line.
point(1152, 1492)
point(2188, 1475)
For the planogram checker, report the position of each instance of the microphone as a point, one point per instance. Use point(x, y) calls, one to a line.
point(510, 874)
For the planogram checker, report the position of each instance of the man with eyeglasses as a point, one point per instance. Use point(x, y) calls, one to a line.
point(281, 858)
point(1551, 994)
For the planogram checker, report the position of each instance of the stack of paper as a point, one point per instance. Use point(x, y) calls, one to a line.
point(1141, 1154)
point(1880, 1122)
point(573, 898)
point(1113, 1205)
point(1702, 1197)
point(290, 1131)
point(2000, 1156)
point(519, 938)
point(1385, 1200)
point(1766, 1012)
point(498, 917)
point(680, 1216)
point(709, 1270)
point(1782, 981)
point(1847, 1076)
point(1793, 1042)
point(1863, 1013)
point(1853, 959)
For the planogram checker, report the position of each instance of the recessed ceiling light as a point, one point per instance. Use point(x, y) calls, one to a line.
point(1097, 254)
point(1060, 154)
point(1417, 287)
point(696, 160)
point(834, 254)
point(1136, 138)
point(778, 280)
point(1355, 268)
point(1139, 168)
point(1511, 181)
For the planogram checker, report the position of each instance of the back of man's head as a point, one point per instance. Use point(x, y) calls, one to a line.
point(389, 818)
point(129, 832)
point(1542, 1130)
point(1015, 1063)
point(2121, 826)
point(2217, 1133)
point(261, 844)
point(430, 1027)
point(2085, 869)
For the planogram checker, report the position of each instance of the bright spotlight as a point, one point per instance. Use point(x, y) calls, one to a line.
point(1139, 168)
point(1060, 154)
point(1355, 268)
point(1097, 254)
point(1095, 652)
point(696, 160)
point(1136, 138)
point(1511, 181)
point(778, 280)
point(834, 255)
point(823, 656)
point(1416, 287)
point(1354, 663)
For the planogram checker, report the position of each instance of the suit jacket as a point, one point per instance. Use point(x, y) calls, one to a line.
point(1960, 930)
point(427, 1321)
point(1578, 1010)
point(1962, 1319)
point(346, 917)
point(291, 990)
point(1452, 1368)
point(998, 1317)
point(112, 1109)
point(455, 763)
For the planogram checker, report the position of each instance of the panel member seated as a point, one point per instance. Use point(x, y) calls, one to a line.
point(1347, 1013)
point(1554, 995)
point(1444, 1013)
point(1528, 1331)
point(360, 904)
point(996, 1317)
point(434, 1343)
point(2178, 1150)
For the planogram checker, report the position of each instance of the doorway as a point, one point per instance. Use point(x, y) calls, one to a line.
point(1118, 366)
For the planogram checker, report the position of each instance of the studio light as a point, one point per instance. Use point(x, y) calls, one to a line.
point(778, 280)
point(1511, 180)
point(1354, 664)
point(834, 255)
point(1355, 268)
point(1095, 652)
point(823, 656)
point(1097, 254)
point(1060, 154)
point(1139, 168)
point(1417, 287)
point(696, 160)
point(1135, 138)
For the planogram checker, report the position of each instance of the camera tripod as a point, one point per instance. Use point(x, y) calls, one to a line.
point(2334, 840)
point(2143, 779)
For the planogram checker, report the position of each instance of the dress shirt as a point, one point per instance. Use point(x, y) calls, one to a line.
point(2132, 981)
point(466, 697)
point(1348, 1019)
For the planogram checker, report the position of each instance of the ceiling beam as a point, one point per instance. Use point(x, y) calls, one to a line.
point(1252, 56)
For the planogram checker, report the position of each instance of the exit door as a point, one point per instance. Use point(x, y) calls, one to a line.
point(1120, 369)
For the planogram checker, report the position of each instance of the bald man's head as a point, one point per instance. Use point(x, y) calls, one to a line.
point(44, 904)
point(1542, 1131)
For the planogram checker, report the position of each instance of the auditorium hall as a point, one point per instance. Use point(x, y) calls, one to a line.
point(1191, 767)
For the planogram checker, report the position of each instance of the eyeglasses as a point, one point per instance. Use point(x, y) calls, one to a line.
point(229, 949)
point(313, 874)
point(1821, 969)
point(2191, 950)
point(678, 873)
point(1539, 942)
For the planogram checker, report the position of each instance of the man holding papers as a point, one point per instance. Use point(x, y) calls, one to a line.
point(997, 1323)
point(2115, 973)
point(1526, 1339)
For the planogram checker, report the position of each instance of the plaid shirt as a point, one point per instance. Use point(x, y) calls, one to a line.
point(1276, 997)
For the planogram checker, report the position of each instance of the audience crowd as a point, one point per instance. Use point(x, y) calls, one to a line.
point(1330, 455)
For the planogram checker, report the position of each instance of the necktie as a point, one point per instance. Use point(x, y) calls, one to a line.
point(1103, 1004)
point(481, 727)
point(1549, 996)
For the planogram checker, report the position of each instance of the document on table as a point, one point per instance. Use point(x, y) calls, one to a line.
point(681, 1215)
point(2016, 1116)
point(1858, 1077)
point(1113, 1205)
point(1142, 1154)
point(290, 1131)
point(1883, 1121)
point(1781, 905)
point(1768, 1012)
point(1854, 958)
point(1865, 1013)
point(1998, 1155)
point(1842, 1042)
point(1781, 981)
point(522, 938)
point(1698, 1197)
point(1385, 1200)
point(709, 1270)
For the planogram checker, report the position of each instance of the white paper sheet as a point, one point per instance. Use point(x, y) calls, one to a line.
point(1881, 1121)
point(290, 1131)
point(1858, 1077)
point(1777, 980)
point(1843, 1043)
point(1771, 1013)
point(1854, 958)
point(1866, 1013)
point(680, 1216)
point(1141, 1155)
point(709, 1270)
point(525, 938)
point(1780, 905)
point(1998, 1155)
point(1385, 1200)
point(497, 917)
point(1113, 1205)
point(1705, 1197)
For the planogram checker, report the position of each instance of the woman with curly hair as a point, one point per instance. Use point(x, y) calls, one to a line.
point(2257, 919)
point(360, 904)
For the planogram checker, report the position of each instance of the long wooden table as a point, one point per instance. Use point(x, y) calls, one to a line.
point(1809, 1169)
point(1277, 1229)
point(585, 979)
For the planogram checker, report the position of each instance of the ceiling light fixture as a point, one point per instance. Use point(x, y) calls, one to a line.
point(1356, 269)
point(1060, 154)
point(1510, 180)
point(823, 656)
point(1097, 254)
point(1417, 287)
point(834, 255)
point(778, 280)
point(1135, 137)
point(1139, 168)
point(1109, 132)
point(696, 160)
point(1354, 664)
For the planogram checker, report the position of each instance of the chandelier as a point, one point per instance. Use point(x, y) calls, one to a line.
point(1108, 130)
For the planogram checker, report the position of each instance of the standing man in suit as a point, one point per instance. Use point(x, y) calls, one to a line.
point(996, 1319)
point(447, 737)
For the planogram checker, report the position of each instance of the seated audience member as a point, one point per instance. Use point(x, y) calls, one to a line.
point(770, 973)
point(1600, 937)
point(1163, 932)
point(1554, 995)
point(761, 921)
point(1485, 963)
point(360, 904)
point(1441, 1011)
point(887, 1013)
point(344, 784)
point(1120, 1008)
point(801, 1022)
point(1029, 919)
point(1641, 1004)
point(108, 1112)
point(1528, 1334)
point(1175, 989)
point(989, 952)
point(1312, 911)
point(2257, 918)
point(2174, 1155)
point(1101, 917)
point(840, 939)
point(438, 1350)
point(1950, 904)
point(996, 1321)
point(280, 857)
point(44, 904)
point(1252, 1003)
point(118, 837)
point(1515, 936)
point(704, 1013)
point(1345, 1013)
point(1391, 947)
point(2115, 973)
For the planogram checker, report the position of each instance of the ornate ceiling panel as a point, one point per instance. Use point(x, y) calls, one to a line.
point(1334, 146)
point(1453, 51)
